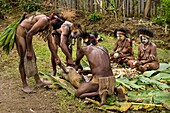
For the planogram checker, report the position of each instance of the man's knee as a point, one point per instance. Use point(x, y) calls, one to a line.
point(77, 94)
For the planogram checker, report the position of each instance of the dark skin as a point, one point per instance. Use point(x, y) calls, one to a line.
point(147, 58)
point(123, 48)
point(62, 40)
point(27, 28)
point(99, 61)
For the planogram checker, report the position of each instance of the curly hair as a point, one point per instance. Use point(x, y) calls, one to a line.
point(143, 30)
point(124, 30)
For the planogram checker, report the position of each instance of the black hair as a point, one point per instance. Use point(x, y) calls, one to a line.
point(59, 21)
point(143, 30)
point(76, 25)
point(124, 30)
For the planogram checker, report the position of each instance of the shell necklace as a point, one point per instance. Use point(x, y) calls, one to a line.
point(145, 48)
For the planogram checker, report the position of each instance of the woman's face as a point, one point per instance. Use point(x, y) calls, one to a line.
point(144, 39)
point(120, 36)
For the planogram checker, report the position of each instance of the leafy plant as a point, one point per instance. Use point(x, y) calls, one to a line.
point(164, 13)
point(31, 7)
point(95, 17)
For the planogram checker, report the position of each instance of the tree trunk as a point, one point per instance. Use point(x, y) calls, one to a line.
point(147, 8)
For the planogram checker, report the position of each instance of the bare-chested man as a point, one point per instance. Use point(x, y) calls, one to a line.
point(122, 51)
point(65, 37)
point(147, 54)
point(99, 62)
point(25, 30)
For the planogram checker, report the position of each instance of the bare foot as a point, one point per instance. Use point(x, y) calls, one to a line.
point(28, 90)
point(53, 73)
point(103, 98)
point(41, 84)
point(121, 95)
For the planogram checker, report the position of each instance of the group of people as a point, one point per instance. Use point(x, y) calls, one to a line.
point(147, 58)
point(62, 33)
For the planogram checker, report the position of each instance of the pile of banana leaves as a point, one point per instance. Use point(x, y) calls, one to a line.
point(149, 91)
point(7, 37)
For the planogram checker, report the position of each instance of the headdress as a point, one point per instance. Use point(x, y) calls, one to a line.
point(124, 31)
point(145, 31)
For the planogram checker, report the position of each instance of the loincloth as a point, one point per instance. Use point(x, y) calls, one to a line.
point(106, 84)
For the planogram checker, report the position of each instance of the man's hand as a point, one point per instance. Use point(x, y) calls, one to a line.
point(138, 63)
point(78, 67)
point(70, 62)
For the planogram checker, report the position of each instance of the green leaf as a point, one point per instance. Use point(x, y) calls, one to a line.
point(161, 76)
point(149, 73)
point(163, 66)
point(166, 71)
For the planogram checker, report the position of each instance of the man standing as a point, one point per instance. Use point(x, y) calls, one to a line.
point(25, 30)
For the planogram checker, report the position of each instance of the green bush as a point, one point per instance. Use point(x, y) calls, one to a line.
point(31, 7)
point(159, 20)
point(95, 17)
point(163, 16)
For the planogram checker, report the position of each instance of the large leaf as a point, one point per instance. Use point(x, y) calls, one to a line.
point(160, 76)
point(162, 97)
point(166, 71)
point(149, 73)
point(163, 66)
point(153, 82)
point(125, 106)
point(131, 83)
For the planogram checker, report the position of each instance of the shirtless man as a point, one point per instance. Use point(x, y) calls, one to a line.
point(25, 30)
point(64, 38)
point(147, 54)
point(122, 51)
point(99, 62)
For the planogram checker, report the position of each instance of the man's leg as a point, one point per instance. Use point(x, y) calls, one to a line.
point(21, 48)
point(87, 89)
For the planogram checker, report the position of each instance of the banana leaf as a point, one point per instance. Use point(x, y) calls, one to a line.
point(160, 76)
point(163, 66)
point(63, 83)
point(166, 71)
point(153, 82)
point(130, 83)
point(150, 73)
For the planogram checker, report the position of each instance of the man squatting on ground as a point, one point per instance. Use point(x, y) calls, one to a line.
point(123, 51)
point(99, 62)
point(24, 33)
point(147, 58)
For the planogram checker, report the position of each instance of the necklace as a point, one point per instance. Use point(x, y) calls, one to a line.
point(145, 48)
point(123, 44)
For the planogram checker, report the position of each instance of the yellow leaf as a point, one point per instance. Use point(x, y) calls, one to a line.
point(125, 106)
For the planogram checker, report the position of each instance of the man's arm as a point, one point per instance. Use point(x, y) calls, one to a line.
point(63, 42)
point(80, 55)
point(79, 39)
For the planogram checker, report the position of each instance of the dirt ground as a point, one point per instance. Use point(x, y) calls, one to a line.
point(13, 100)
